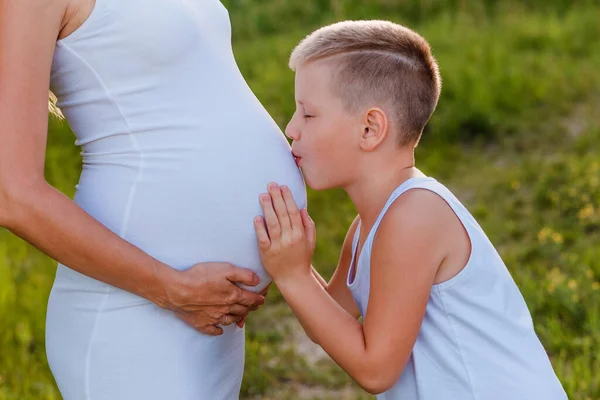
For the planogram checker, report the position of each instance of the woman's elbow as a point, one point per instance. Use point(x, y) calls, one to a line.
point(12, 199)
point(376, 380)
point(375, 386)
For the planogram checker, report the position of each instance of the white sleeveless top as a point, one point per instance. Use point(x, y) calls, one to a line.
point(477, 340)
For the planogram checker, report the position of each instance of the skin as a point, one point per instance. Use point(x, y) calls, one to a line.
point(204, 296)
point(419, 243)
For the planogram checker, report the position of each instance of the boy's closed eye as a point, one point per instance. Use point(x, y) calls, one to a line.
point(306, 112)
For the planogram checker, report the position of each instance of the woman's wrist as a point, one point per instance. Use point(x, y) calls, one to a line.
point(162, 286)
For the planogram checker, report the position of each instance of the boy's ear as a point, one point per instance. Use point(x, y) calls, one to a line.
point(375, 129)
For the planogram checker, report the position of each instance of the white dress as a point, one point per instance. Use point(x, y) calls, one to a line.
point(176, 149)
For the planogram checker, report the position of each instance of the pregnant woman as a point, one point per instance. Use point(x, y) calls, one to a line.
point(176, 149)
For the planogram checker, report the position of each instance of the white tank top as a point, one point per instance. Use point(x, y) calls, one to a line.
point(477, 340)
point(176, 148)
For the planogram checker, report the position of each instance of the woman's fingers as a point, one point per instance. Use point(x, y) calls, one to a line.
point(199, 324)
point(238, 309)
point(265, 291)
point(211, 330)
point(229, 319)
point(292, 209)
point(274, 229)
point(280, 208)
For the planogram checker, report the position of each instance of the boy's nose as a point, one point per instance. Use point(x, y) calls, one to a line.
point(291, 131)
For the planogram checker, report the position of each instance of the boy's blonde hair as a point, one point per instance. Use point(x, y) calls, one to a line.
point(378, 62)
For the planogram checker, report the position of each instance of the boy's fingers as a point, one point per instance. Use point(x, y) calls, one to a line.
point(261, 233)
point(309, 227)
point(270, 216)
point(280, 207)
point(292, 208)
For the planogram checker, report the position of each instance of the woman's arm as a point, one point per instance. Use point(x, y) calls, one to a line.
point(405, 257)
point(52, 222)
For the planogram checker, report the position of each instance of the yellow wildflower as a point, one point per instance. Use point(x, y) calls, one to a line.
point(557, 238)
point(586, 212)
point(544, 234)
point(589, 273)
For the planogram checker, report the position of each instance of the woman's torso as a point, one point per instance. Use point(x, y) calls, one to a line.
point(477, 339)
point(176, 148)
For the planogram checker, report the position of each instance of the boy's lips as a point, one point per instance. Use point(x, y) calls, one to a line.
point(297, 159)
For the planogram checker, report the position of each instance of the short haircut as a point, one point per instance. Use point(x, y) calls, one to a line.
point(378, 62)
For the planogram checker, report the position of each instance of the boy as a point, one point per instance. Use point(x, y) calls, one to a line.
point(443, 319)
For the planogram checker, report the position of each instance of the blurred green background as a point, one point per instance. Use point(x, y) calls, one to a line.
point(516, 135)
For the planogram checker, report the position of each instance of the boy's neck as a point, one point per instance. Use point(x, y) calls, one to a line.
point(370, 192)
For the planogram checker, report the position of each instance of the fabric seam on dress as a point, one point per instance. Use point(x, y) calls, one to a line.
point(123, 229)
point(464, 363)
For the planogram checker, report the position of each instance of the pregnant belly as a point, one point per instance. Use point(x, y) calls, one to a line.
point(201, 211)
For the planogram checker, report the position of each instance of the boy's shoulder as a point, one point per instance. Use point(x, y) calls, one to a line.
point(416, 231)
point(417, 206)
point(419, 214)
point(422, 196)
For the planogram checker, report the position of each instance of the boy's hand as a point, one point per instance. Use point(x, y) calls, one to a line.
point(286, 235)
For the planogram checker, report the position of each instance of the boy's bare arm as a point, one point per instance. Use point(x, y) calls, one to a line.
point(318, 277)
point(405, 257)
point(337, 287)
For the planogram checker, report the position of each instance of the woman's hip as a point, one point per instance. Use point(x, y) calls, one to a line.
point(104, 343)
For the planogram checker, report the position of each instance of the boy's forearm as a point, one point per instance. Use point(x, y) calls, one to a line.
point(318, 277)
point(335, 294)
point(327, 323)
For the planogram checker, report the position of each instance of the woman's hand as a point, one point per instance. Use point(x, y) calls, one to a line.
point(264, 293)
point(206, 295)
point(286, 235)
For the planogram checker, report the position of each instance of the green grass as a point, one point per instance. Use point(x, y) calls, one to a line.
point(516, 136)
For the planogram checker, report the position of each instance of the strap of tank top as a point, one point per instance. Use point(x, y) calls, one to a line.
point(472, 227)
point(413, 183)
point(433, 185)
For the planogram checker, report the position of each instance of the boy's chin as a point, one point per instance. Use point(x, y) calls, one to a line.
point(318, 184)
